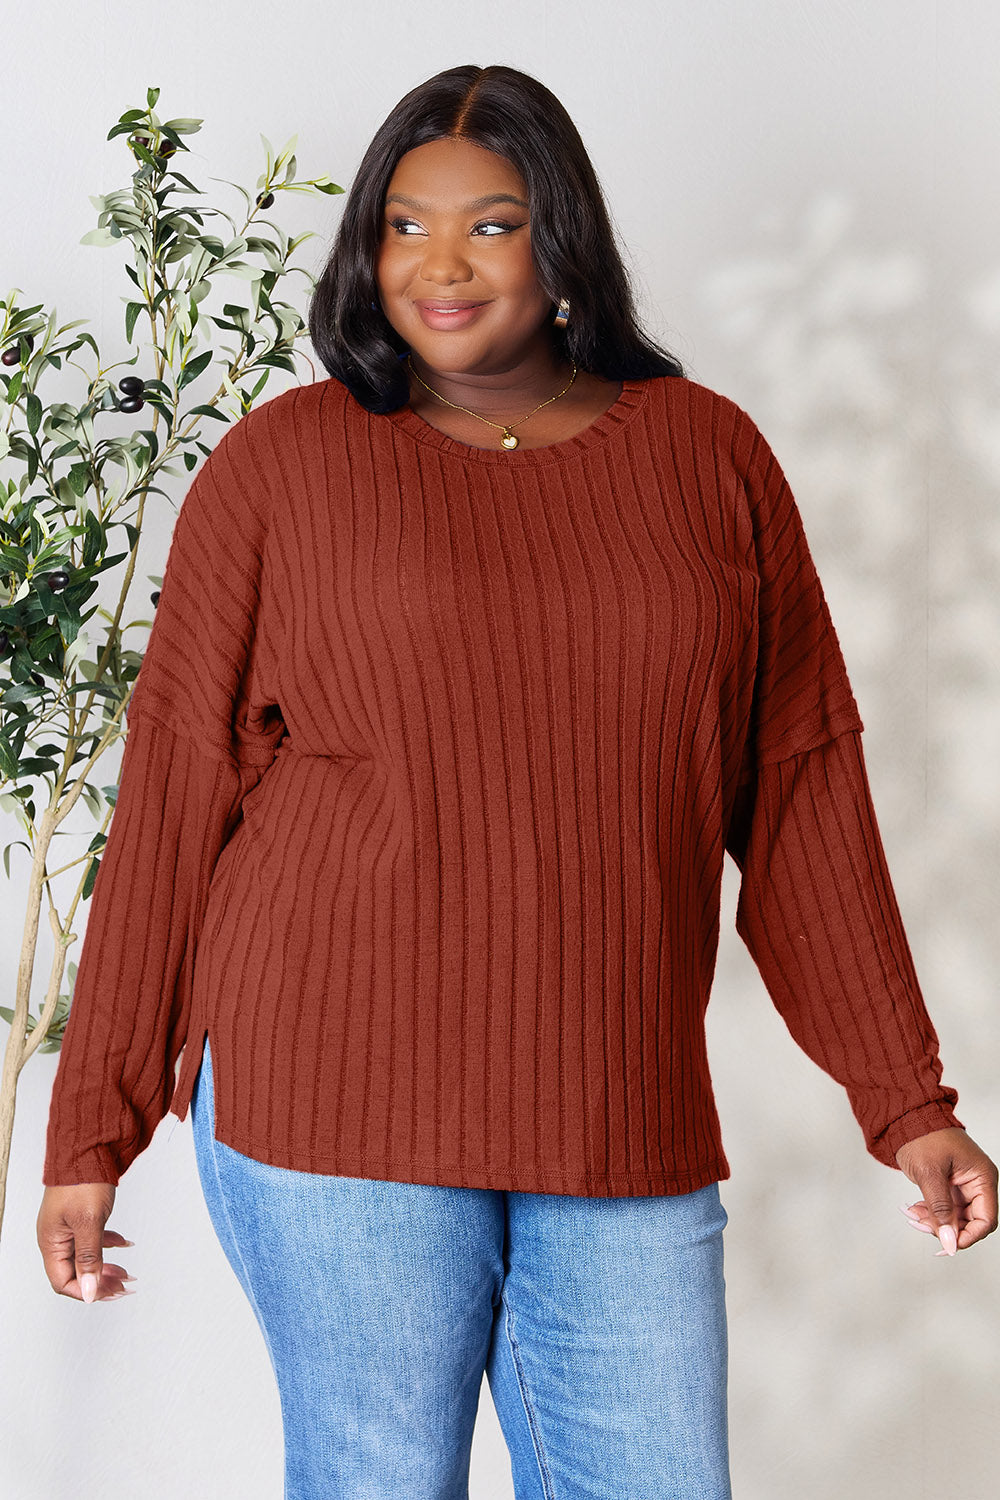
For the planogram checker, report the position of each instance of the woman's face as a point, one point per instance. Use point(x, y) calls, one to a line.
point(438, 244)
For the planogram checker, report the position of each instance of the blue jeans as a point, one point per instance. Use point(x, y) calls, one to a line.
point(600, 1324)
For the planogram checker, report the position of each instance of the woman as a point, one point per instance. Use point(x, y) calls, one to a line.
point(469, 664)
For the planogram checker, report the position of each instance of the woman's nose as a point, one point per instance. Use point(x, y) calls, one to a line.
point(444, 263)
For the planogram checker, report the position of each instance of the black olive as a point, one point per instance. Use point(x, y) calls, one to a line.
point(57, 580)
point(132, 385)
point(265, 201)
point(131, 403)
point(12, 355)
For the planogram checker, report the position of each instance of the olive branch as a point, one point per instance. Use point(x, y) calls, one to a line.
point(72, 503)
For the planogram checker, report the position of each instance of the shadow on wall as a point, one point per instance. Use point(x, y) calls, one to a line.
point(879, 389)
point(877, 383)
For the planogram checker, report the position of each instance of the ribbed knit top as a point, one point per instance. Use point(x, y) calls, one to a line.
point(431, 766)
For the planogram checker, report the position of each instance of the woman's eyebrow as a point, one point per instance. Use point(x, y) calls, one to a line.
point(476, 203)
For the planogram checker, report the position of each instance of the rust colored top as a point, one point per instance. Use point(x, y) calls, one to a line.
point(431, 766)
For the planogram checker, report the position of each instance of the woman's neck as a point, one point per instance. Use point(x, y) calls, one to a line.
point(504, 396)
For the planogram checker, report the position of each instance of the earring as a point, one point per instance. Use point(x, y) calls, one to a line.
point(374, 307)
point(562, 316)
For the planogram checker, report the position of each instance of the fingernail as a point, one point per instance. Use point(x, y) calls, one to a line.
point(948, 1238)
point(908, 1211)
point(88, 1286)
point(130, 1278)
point(130, 1242)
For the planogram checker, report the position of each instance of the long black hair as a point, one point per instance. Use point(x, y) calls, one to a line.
point(572, 241)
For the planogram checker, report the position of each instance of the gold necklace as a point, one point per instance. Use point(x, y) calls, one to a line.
point(508, 439)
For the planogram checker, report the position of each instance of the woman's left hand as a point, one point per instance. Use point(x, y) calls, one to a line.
point(959, 1185)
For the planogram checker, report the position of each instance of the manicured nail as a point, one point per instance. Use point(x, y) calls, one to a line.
point(115, 1296)
point(949, 1240)
point(130, 1278)
point(88, 1286)
point(908, 1211)
point(130, 1242)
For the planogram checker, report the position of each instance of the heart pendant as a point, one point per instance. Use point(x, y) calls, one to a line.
point(509, 440)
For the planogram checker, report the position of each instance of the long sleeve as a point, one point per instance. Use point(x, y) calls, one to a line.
point(817, 909)
point(198, 738)
point(819, 916)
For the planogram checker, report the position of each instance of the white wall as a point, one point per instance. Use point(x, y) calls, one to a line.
point(809, 195)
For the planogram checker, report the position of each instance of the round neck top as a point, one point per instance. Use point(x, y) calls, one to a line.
point(610, 422)
point(450, 760)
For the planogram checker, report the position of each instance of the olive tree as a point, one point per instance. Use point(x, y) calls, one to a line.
point(72, 503)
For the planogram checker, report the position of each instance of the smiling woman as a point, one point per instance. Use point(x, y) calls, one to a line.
point(471, 664)
point(448, 270)
point(478, 189)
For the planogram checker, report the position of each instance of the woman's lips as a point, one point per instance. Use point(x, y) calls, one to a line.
point(461, 317)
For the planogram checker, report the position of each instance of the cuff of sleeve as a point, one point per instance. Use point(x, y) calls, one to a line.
point(95, 1165)
point(936, 1115)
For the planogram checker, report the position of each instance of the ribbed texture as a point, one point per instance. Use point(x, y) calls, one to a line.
point(431, 766)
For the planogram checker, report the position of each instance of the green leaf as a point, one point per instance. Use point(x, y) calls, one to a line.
point(21, 692)
point(208, 411)
point(34, 408)
point(80, 478)
point(88, 884)
point(183, 126)
point(149, 434)
point(102, 237)
point(240, 269)
point(132, 311)
point(100, 688)
point(8, 760)
point(15, 844)
point(192, 370)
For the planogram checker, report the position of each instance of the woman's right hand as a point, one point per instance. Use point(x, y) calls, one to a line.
point(72, 1238)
